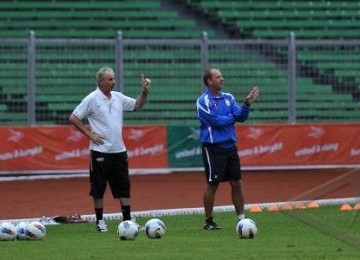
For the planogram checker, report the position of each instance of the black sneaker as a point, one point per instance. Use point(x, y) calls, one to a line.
point(211, 225)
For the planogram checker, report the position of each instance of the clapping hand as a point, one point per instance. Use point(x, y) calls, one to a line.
point(251, 97)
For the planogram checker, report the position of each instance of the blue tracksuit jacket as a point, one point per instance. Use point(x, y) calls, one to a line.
point(217, 116)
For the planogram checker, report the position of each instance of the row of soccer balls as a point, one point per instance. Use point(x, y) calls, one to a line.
point(155, 228)
point(129, 230)
point(34, 230)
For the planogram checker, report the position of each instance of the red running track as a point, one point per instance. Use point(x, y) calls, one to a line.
point(36, 198)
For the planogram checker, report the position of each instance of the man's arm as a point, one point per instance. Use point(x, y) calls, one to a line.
point(251, 97)
point(208, 116)
point(85, 129)
point(141, 99)
point(241, 113)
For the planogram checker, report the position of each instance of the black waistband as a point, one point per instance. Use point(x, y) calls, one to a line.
point(108, 155)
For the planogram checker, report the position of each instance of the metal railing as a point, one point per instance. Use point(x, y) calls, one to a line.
point(301, 80)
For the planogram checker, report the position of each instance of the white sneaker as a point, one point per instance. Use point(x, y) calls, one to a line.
point(101, 227)
point(48, 221)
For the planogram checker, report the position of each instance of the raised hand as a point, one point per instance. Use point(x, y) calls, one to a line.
point(251, 97)
point(145, 82)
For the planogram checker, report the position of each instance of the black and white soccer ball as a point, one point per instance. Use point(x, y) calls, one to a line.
point(246, 228)
point(155, 228)
point(128, 230)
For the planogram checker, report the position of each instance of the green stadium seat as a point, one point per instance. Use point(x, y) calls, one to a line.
point(308, 20)
point(13, 116)
point(176, 73)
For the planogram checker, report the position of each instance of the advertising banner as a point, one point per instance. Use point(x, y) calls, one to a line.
point(299, 144)
point(62, 148)
point(184, 147)
point(37, 148)
point(31, 149)
point(146, 146)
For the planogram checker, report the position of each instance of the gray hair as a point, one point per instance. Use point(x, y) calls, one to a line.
point(206, 76)
point(100, 75)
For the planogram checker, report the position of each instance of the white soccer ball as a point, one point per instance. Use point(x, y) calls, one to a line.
point(246, 228)
point(127, 230)
point(21, 230)
point(35, 231)
point(7, 231)
point(155, 228)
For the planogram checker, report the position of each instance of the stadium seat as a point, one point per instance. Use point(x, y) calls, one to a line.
point(176, 71)
point(86, 19)
point(308, 20)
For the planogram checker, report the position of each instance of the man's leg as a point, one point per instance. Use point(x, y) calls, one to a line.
point(120, 184)
point(125, 204)
point(98, 185)
point(237, 197)
point(99, 208)
point(209, 199)
point(213, 163)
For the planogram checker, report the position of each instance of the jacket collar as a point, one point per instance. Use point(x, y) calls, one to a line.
point(221, 95)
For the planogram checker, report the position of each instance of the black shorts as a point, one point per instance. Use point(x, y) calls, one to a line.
point(221, 164)
point(112, 168)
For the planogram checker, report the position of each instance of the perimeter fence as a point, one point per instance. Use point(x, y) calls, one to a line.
point(43, 79)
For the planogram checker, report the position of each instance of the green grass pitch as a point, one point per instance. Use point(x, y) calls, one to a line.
point(323, 233)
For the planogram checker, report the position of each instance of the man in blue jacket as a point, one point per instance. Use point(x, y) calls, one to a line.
point(218, 112)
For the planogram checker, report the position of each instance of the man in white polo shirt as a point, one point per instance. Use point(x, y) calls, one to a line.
point(109, 161)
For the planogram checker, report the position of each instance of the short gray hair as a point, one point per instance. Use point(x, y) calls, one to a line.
point(100, 75)
point(208, 75)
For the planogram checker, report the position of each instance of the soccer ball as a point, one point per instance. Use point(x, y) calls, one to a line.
point(127, 230)
point(246, 228)
point(155, 228)
point(21, 230)
point(7, 231)
point(35, 231)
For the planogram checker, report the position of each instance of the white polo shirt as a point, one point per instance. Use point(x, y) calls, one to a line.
point(105, 118)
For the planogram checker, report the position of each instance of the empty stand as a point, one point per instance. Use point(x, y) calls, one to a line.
point(327, 77)
point(333, 68)
point(93, 19)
